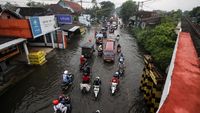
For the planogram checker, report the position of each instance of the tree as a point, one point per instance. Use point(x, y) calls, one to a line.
point(35, 4)
point(10, 6)
point(128, 9)
point(195, 12)
point(107, 8)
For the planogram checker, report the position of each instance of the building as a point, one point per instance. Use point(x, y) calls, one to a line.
point(11, 41)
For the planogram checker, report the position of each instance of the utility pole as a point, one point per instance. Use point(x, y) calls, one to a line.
point(136, 17)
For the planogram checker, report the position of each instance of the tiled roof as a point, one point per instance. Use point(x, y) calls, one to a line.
point(32, 11)
point(73, 5)
point(57, 9)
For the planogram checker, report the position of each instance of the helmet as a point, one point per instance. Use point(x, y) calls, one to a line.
point(121, 60)
point(117, 73)
point(98, 111)
point(55, 102)
point(82, 56)
point(65, 72)
point(97, 77)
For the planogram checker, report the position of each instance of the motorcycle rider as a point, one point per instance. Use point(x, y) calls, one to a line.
point(65, 100)
point(116, 74)
point(86, 70)
point(67, 78)
point(97, 81)
point(100, 48)
point(121, 58)
point(97, 111)
point(85, 79)
point(118, 47)
point(59, 106)
point(82, 60)
point(117, 37)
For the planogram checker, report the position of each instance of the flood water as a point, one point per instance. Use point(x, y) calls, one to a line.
point(35, 93)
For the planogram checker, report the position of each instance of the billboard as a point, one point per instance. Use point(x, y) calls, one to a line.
point(64, 19)
point(41, 25)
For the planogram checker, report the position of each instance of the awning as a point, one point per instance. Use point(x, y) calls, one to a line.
point(74, 28)
point(12, 42)
point(70, 28)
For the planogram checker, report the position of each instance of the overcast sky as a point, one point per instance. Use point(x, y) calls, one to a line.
point(151, 5)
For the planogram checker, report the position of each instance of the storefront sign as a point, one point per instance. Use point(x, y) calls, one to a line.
point(41, 25)
point(64, 19)
point(35, 26)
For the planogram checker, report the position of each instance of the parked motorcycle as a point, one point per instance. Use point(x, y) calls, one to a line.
point(65, 86)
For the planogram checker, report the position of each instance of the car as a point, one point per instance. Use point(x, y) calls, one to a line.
point(87, 49)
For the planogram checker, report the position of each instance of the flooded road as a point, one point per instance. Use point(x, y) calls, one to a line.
point(36, 92)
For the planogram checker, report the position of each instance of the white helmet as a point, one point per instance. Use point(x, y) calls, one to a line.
point(121, 60)
point(97, 77)
point(98, 111)
point(117, 73)
point(65, 72)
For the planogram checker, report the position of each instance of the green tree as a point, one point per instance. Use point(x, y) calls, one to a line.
point(159, 42)
point(195, 12)
point(107, 8)
point(128, 9)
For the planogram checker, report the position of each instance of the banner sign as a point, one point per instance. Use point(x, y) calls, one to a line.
point(35, 26)
point(64, 19)
point(41, 25)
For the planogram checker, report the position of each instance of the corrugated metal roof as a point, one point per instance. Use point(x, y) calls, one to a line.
point(9, 43)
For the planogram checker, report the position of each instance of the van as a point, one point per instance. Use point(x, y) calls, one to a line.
point(109, 51)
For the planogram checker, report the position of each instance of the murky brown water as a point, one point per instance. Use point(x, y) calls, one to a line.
point(36, 92)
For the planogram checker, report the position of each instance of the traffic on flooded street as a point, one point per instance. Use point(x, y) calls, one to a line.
point(96, 56)
point(36, 92)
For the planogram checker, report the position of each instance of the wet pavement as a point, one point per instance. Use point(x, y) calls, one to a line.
point(35, 93)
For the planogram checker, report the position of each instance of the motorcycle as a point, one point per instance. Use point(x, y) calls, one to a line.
point(66, 104)
point(85, 88)
point(96, 90)
point(121, 69)
point(100, 52)
point(121, 72)
point(82, 66)
point(65, 86)
point(113, 88)
point(118, 49)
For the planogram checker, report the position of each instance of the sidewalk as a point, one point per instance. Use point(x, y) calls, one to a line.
point(21, 69)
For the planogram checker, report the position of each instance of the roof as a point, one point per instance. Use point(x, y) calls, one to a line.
point(57, 9)
point(7, 42)
point(87, 45)
point(146, 14)
point(152, 20)
point(17, 16)
point(109, 45)
point(32, 11)
point(184, 91)
point(70, 27)
point(73, 5)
